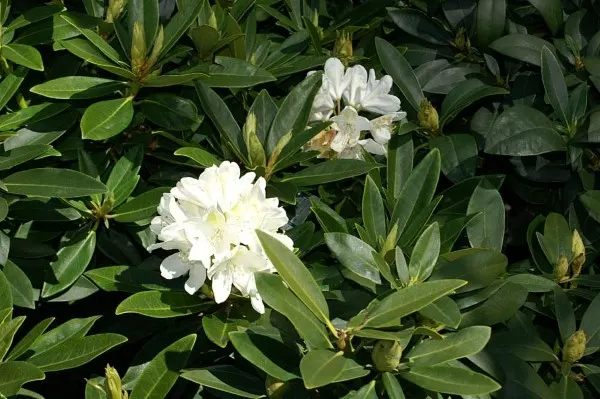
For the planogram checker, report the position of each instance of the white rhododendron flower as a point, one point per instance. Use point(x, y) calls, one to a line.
point(358, 91)
point(211, 222)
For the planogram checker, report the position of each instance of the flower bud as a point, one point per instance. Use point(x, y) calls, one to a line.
point(561, 268)
point(577, 264)
point(138, 49)
point(275, 388)
point(577, 246)
point(428, 116)
point(115, 8)
point(386, 355)
point(574, 348)
point(256, 152)
point(156, 48)
point(342, 47)
point(112, 383)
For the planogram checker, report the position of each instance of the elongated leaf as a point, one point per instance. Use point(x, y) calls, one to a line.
point(198, 155)
point(72, 260)
point(12, 158)
point(160, 374)
point(591, 326)
point(227, 379)
point(501, 306)
point(33, 15)
point(399, 164)
point(551, 11)
point(235, 73)
point(49, 182)
point(14, 374)
point(106, 119)
point(128, 279)
point(487, 229)
point(179, 24)
point(141, 207)
point(295, 274)
point(373, 211)
point(8, 330)
point(85, 50)
point(171, 112)
point(10, 84)
point(392, 386)
point(417, 23)
point(405, 301)
point(329, 220)
point(144, 12)
point(354, 254)
point(75, 352)
point(281, 299)
point(399, 69)
point(21, 288)
point(294, 112)
point(328, 171)
point(270, 355)
point(425, 254)
point(444, 311)
point(24, 55)
point(77, 87)
point(458, 153)
point(30, 115)
point(555, 85)
point(461, 344)
point(161, 304)
point(523, 47)
point(464, 94)
point(322, 367)
point(491, 19)
point(29, 339)
point(451, 380)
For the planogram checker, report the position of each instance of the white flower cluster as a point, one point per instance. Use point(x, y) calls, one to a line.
point(360, 92)
point(211, 222)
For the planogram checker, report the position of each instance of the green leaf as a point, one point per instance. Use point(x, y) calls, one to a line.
point(24, 55)
point(555, 84)
point(373, 212)
point(235, 73)
point(418, 24)
point(29, 339)
point(14, 374)
point(418, 190)
point(565, 316)
point(77, 87)
point(50, 182)
point(295, 275)
point(551, 11)
point(328, 171)
point(556, 240)
point(464, 94)
point(487, 229)
point(171, 112)
point(392, 386)
point(10, 84)
point(463, 343)
point(458, 153)
point(21, 288)
point(124, 176)
point(329, 220)
point(478, 266)
point(222, 118)
point(591, 326)
point(281, 299)
point(523, 47)
point(452, 380)
point(43, 132)
point(72, 260)
point(74, 328)
point(399, 69)
point(8, 330)
point(198, 155)
point(366, 392)
point(85, 50)
point(566, 388)
point(141, 207)
point(30, 115)
point(322, 367)
point(399, 164)
point(354, 254)
point(33, 15)
point(160, 374)
point(490, 21)
point(268, 354)
point(162, 304)
point(425, 254)
point(499, 307)
point(217, 327)
point(228, 379)
point(128, 279)
point(294, 112)
point(145, 12)
point(403, 302)
point(76, 352)
point(444, 311)
point(106, 119)
point(95, 39)
point(179, 24)
point(3, 209)
point(591, 200)
point(12, 158)
point(521, 131)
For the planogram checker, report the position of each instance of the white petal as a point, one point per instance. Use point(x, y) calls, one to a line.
point(357, 86)
point(334, 71)
point(257, 303)
point(196, 279)
point(221, 285)
point(373, 147)
point(174, 266)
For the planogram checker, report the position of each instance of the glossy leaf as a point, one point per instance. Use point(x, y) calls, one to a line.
point(487, 229)
point(162, 304)
point(227, 379)
point(555, 85)
point(106, 119)
point(50, 182)
point(451, 380)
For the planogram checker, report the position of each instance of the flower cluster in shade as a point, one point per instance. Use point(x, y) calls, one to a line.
point(211, 222)
point(358, 91)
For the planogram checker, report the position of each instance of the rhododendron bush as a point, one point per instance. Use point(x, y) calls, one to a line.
point(299, 199)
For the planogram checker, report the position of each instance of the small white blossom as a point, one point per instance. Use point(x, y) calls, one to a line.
point(348, 125)
point(211, 222)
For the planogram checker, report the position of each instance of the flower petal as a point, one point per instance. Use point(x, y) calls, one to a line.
point(221, 285)
point(334, 72)
point(174, 266)
point(196, 279)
